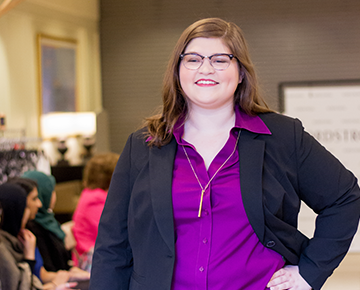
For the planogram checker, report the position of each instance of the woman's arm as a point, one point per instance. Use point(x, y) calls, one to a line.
point(61, 276)
point(112, 260)
point(327, 187)
point(297, 167)
point(54, 279)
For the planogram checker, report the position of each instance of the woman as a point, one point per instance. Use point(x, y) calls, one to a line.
point(17, 255)
point(50, 237)
point(97, 176)
point(207, 195)
point(33, 203)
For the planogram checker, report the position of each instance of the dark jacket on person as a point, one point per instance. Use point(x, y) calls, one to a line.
point(52, 249)
point(135, 248)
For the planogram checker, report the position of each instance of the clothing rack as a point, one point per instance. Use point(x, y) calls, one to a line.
point(20, 154)
point(18, 143)
point(16, 139)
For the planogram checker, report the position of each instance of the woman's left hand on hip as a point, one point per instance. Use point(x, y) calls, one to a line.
point(288, 278)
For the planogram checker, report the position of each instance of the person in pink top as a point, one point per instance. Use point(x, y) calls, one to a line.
point(97, 176)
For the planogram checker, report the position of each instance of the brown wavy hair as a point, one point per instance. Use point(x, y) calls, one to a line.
point(246, 96)
point(99, 169)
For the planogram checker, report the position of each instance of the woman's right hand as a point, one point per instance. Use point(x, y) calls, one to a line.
point(61, 277)
point(77, 274)
point(28, 239)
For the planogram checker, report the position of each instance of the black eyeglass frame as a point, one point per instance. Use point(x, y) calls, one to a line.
point(231, 56)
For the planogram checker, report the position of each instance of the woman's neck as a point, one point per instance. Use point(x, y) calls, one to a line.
point(208, 130)
point(209, 122)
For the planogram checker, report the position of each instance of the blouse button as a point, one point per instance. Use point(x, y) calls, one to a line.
point(270, 244)
point(205, 240)
point(201, 269)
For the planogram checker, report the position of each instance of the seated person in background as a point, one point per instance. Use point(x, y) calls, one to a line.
point(33, 203)
point(48, 249)
point(17, 245)
point(50, 237)
point(97, 175)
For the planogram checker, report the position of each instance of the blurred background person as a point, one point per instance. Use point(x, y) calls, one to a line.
point(48, 232)
point(97, 176)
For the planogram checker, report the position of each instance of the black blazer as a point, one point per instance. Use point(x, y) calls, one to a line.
point(135, 248)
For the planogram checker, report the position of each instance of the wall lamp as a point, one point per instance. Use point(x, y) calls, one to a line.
point(61, 126)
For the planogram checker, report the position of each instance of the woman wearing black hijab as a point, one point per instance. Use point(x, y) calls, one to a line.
point(17, 244)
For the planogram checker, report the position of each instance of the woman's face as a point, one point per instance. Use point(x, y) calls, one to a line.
point(25, 218)
point(33, 203)
point(206, 87)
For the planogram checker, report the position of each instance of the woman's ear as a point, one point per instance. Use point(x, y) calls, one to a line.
point(241, 76)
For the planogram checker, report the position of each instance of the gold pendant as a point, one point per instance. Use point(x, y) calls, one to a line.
point(201, 202)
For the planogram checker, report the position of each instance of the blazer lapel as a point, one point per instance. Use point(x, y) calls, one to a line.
point(251, 156)
point(161, 162)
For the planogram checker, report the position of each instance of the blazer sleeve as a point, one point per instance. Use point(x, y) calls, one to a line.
point(112, 260)
point(332, 191)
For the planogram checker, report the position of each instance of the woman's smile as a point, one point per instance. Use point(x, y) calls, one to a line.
point(206, 83)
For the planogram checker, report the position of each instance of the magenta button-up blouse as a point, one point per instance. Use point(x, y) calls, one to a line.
point(219, 250)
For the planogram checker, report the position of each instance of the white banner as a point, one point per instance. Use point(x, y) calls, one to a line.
point(331, 113)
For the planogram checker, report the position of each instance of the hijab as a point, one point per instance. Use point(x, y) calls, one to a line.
point(44, 217)
point(13, 202)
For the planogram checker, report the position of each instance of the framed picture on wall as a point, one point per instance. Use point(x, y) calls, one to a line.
point(57, 74)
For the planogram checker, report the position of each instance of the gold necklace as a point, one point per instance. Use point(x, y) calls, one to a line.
point(203, 189)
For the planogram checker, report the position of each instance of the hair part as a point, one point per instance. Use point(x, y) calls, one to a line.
point(26, 183)
point(247, 95)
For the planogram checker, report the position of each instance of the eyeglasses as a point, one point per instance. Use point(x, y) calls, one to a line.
point(219, 61)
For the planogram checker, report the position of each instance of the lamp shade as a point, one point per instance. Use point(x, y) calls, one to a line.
point(62, 125)
point(85, 123)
